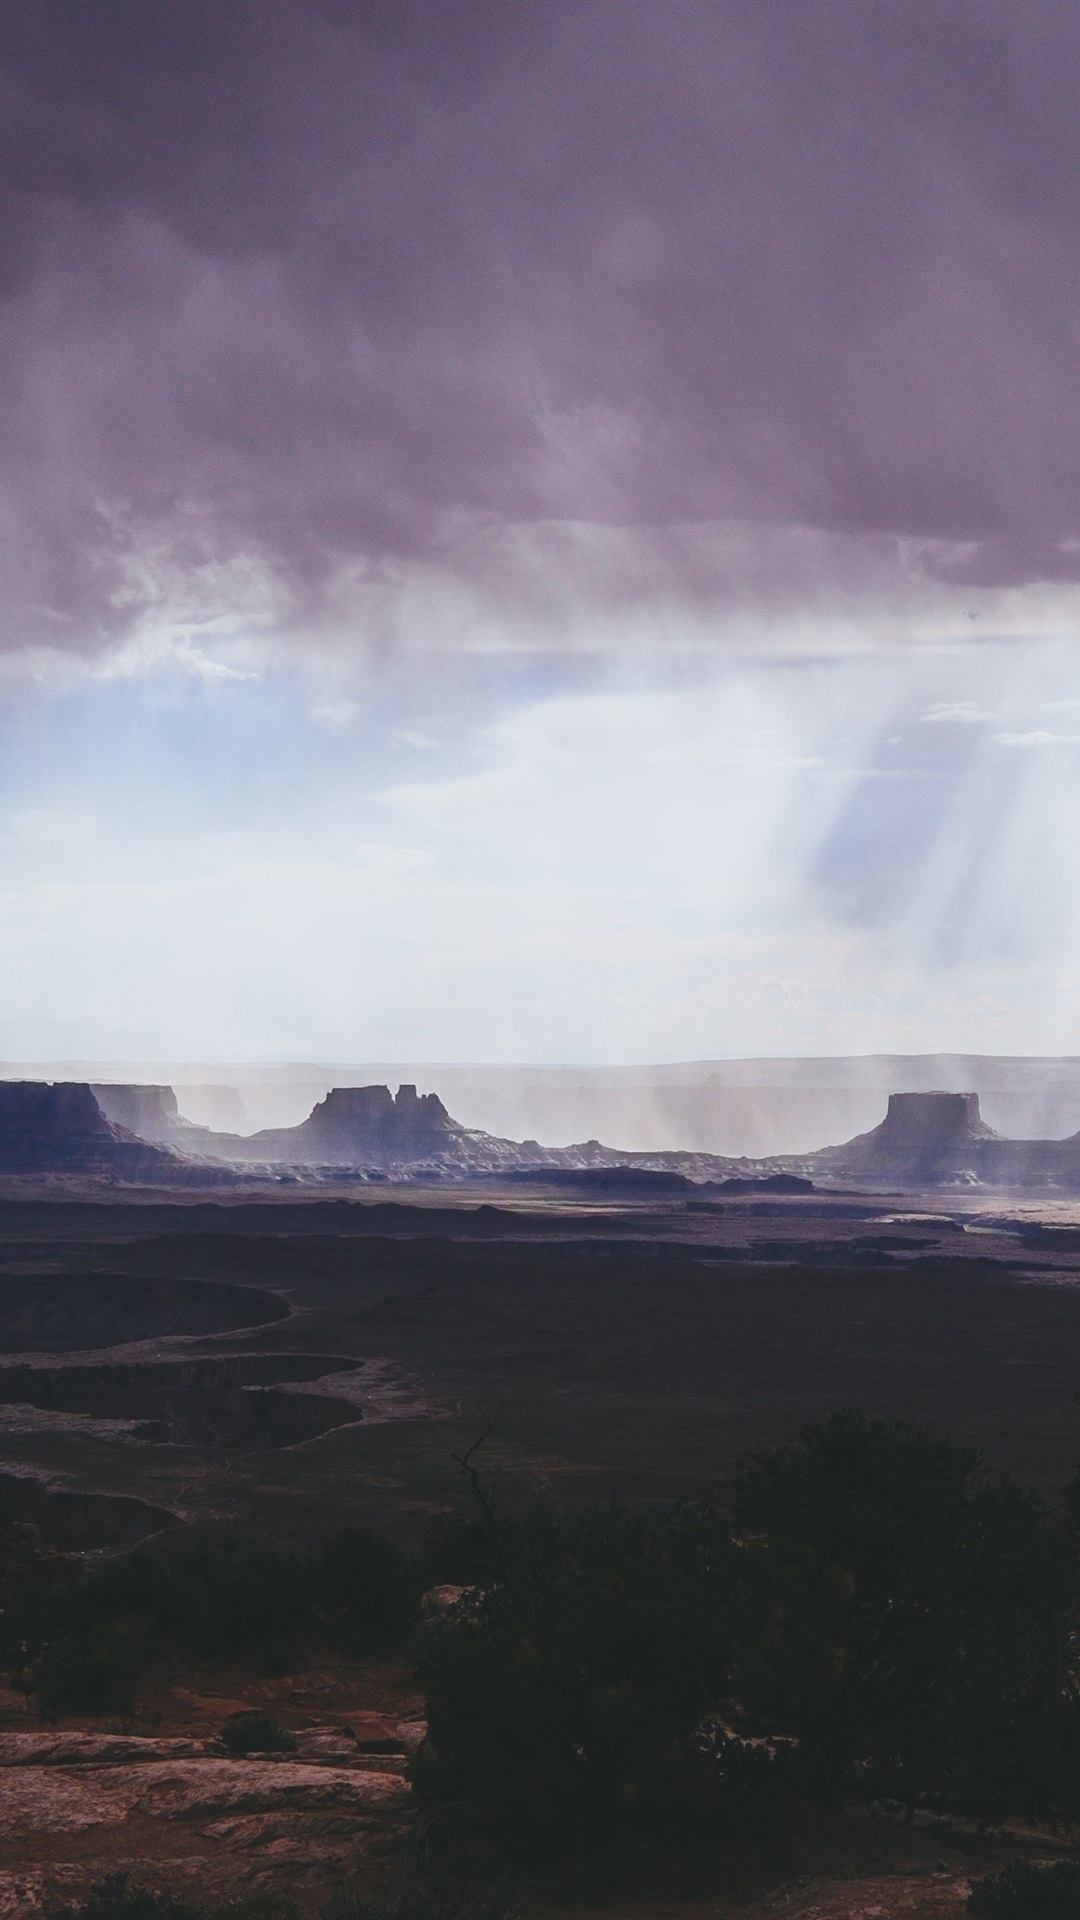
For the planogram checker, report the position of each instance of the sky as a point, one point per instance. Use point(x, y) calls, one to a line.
point(539, 530)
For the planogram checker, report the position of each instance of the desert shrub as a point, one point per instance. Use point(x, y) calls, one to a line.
point(443, 1874)
point(222, 1596)
point(462, 1553)
point(866, 1612)
point(254, 1732)
point(1026, 1891)
point(959, 1685)
point(368, 1588)
point(31, 1576)
point(452, 1892)
point(83, 1640)
point(114, 1898)
point(625, 1671)
point(92, 1670)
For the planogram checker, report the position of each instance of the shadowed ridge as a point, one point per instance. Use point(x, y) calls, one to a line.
point(58, 1127)
point(47, 1124)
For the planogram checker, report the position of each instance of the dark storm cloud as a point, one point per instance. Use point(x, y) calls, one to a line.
point(312, 287)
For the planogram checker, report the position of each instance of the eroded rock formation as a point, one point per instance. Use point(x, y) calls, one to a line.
point(357, 1126)
point(940, 1139)
point(149, 1112)
point(58, 1127)
point(923, 1138)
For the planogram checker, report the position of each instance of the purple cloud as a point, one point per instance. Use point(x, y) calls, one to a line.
point(323, 289)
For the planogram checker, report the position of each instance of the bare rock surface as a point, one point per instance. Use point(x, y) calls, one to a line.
point(179, 1811)
point(174, 1811)
point(937, 1896)
point(71, 1748)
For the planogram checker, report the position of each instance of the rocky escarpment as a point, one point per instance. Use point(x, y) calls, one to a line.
point(369, 1129)
point(58, 1127)
point(356, 1126)
point(77, 1521)
point(121, 1358)
point(247, 1399)
point(67, 1313)
point(935, 1139)
point(150, 1112)
point(924, 1138)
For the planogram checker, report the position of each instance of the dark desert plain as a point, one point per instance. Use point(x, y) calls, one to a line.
point(276, 1365)
point(633, 1350)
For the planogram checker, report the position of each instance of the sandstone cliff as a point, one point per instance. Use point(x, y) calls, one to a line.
point(935, 1139)
point(58, 1127)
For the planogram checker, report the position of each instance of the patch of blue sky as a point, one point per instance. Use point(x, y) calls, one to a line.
point(529, 857)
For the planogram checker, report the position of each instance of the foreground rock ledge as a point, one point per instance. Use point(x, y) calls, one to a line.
point(178, 1812)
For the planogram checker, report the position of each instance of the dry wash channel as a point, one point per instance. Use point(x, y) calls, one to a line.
point(113, 1354)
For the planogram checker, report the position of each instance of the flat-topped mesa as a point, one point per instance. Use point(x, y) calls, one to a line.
point(924, 1136)
point(150, 1112)
point(930, 1123)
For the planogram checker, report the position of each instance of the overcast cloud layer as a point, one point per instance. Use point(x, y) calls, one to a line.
point(571, 505)
point(297, 295)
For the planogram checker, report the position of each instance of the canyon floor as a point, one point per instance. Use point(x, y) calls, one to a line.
point(290, 1366)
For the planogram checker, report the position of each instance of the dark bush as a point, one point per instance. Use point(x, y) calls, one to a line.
point(93, 1670)
point(83, 1640)
point(1026, 1891)
point(959, 1680)
point(626, 1671)
point(31, 1574)
point(368, 1589)
point(452, 1892)
point(256, 1732)
point(442, 1875)
point(114, 1898)
point(463, 1553)
point(221, 1596)
point(867, 1614)
point(224, 1596)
